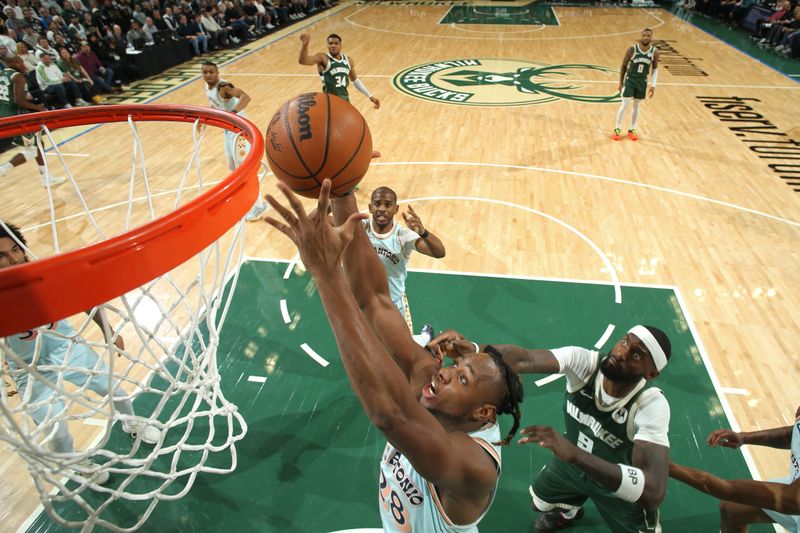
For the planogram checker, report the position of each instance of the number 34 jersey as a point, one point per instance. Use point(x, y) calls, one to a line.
point(410, 504)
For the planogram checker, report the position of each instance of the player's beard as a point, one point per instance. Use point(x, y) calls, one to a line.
point(615, 373)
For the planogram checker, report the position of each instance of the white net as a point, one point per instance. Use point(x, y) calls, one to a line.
point(124, 402)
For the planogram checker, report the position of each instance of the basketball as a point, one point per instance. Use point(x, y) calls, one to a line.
point(317, 136)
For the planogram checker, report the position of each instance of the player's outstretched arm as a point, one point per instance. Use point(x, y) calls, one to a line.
point(774, 438)
point(428, 243)
point(358, 84)
point(370, 287)
point(453, 344)
point(228, 91)
point(310, 59)
point(645, 483)
point(451, 461)
point(99, 318)
point(775, 496)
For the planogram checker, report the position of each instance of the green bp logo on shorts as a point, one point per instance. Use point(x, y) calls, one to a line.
point(507, 82)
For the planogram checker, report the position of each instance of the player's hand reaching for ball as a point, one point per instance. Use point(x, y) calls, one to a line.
point(547, 437)
point(320, 244)
point(450, 344)
point(375, 102)
point(724, 437)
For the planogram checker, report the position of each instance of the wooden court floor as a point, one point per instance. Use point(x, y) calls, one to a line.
point(706, 201)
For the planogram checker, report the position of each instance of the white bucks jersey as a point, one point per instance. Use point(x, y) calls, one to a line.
point(410, 504)
point(217, 102)
point(394, 250)
point(54, 340)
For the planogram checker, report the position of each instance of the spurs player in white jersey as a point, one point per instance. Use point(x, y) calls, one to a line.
point(746, 501)
point(223, 95)
point(440, 423)
point(53, 345)
point(394, 244)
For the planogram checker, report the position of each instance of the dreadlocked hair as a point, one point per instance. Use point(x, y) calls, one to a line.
point(513, 396)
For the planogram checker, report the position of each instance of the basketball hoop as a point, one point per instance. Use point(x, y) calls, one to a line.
point(165, 285)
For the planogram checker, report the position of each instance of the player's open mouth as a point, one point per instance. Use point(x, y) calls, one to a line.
point(429, 390)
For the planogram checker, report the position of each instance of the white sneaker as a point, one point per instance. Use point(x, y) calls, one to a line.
point(270, 27)
point(256, 211)
point(90, 471)
point(54, 180)
point(81, 102)
point(150, 434)
point(67, 106)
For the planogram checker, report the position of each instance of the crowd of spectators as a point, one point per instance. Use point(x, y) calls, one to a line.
point(77, 50)
point(778, 30)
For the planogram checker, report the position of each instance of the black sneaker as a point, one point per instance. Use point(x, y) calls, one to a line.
point(554, 520)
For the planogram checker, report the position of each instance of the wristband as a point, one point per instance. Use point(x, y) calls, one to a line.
point(477, 348)
point(632, 485)
point(424, 234)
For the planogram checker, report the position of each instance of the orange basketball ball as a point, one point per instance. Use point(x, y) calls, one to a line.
point(317, 136)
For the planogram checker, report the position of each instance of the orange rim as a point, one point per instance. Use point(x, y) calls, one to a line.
point(44, 291)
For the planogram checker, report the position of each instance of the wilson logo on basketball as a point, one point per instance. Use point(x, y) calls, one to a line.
point(507, 82)
point(304, 102)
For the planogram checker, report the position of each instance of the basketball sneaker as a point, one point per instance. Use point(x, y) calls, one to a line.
point(88, 470)
point(424, 336)
point(52, 181)
point(150, 434)
point(617, 135)
point(632, 135)
point(256, 211)
point(554, 520)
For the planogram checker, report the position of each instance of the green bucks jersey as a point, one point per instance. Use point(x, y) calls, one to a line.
point(8, 106)
point(336, 77)
point(604, 431)
point(640, 63)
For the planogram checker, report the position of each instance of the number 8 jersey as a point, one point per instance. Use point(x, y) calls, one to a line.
point(408, 503)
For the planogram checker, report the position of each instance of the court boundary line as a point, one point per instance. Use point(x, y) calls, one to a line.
point(650, 13)
point(615, 82)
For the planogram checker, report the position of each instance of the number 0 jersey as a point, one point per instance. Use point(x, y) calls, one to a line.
point(640, 63)
point(410, 504)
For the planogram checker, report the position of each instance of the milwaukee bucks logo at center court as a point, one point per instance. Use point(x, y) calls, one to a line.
point(507, 82)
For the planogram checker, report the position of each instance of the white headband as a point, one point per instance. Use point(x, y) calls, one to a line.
point(659, 358)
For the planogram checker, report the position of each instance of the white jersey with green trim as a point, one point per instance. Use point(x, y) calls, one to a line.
point(410, 504)
point(394, 249)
